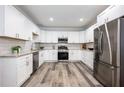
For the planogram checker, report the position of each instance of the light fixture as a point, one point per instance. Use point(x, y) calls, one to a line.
point(81, 19)
point(51, 19)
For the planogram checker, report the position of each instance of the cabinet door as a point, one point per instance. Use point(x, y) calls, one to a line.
point(16, 24)
point(82, 37)
point(49, 37)
point(29, 64)
point(12, 22)
point(27, 29)
point(21, 71)
point(24, 68)
point(2, 19)
point(54, 36)
point(42, 37)
point(41, 57)
point(70, 55)
point(73, 37)
point(62, 34)
point(54, 54)
point(46, 55)
point(74, 55)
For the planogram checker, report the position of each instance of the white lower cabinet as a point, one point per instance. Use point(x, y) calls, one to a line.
point(87, 57)
point(47, 56)
point(41, 57)
point(50, 55)
point(16, 70)
point(74, 55)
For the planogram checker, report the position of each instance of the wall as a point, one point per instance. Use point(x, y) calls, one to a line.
point(55, 46)
point(6, 45)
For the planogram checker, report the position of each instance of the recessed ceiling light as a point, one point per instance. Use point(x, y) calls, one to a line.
point(81, 19)
point(51, 19)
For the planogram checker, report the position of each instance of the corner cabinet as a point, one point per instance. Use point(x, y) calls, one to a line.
point(87, 58)
point(14, 24)
point(15, 70)
point(87, 36)
point(74, 55)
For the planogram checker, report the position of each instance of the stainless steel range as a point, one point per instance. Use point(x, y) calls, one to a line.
point(63, 52)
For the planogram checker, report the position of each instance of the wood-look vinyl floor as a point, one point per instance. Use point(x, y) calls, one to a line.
point(62, 74)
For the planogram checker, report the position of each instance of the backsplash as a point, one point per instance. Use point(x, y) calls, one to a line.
point(55, 46)
point(6, 44)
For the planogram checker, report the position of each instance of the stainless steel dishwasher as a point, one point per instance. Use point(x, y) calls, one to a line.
point(35, 61)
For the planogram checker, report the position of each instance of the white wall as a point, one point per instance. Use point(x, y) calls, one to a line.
point(50, 46)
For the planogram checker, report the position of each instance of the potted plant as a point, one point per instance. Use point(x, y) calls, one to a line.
point(16, 49)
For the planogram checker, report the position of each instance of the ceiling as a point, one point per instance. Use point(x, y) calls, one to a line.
point(65, 16)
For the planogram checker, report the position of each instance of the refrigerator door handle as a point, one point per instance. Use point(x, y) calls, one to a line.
point(100, 42)
point(109, 43)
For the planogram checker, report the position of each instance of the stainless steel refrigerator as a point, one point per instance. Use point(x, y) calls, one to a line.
point(109, 53)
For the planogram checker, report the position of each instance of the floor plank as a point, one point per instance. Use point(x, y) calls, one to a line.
point(62, 74)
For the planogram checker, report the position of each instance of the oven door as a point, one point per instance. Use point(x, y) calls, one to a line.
point(62, 55)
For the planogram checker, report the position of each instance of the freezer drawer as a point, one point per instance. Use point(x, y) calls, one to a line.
point(106, 74)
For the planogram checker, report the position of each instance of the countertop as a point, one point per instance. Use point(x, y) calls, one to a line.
point(18, 55)
point(30, 52)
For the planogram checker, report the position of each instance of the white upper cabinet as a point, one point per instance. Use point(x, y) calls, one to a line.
point(54, 37)
point(87, 35)
point(82, 36)
point(15, 25)
point(62, 34)
point(111, 13)
point(73, 37)
point(51, 37)
point(42, 36)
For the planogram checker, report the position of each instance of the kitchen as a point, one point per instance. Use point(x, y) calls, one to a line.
point(37, 42)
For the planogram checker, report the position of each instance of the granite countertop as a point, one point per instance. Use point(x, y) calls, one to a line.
point(30, 52)
point(18, 55)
